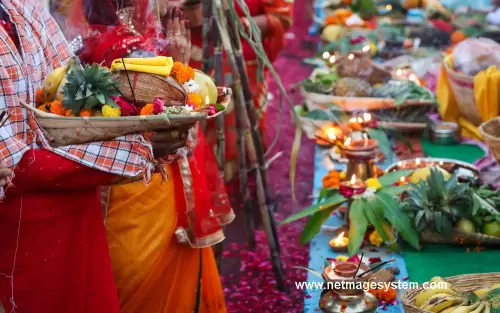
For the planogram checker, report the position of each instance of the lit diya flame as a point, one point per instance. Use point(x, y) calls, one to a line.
point(388, 7)
point(207, 100)
point(351, 56)
point(330, 132)
point(353, 180)
point(367, 117)
point(365, 139)
point(347, 142)
point(333, 59)
point(417, 161)
point(360, 120)
point(224, 91)
point(326, 55)
point(366, 48)
point(353, 120)
point(399, 72)
point(339, 244)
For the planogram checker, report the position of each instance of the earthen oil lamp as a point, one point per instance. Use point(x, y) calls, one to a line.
point(328, 136)
point(359, 124)
point(360, 154)
point(339, 243)
point(344, 293)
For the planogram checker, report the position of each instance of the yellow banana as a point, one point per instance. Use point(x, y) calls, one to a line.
point(427, 293)
point(440, 301)
point(480, 308)
point(466, 308)
point(450, 309)
point(495, 286)
point(53, 80)
point(487, 307)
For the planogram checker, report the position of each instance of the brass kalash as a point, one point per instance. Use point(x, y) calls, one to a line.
point(361, 154)
point(345, 293)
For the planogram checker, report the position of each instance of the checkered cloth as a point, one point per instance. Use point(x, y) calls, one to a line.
point(43, 49)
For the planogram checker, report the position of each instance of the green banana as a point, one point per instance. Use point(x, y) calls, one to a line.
point(440, 301)
point(466, 308)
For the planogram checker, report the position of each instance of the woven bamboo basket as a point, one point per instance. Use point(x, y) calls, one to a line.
point(63, 131)
point(459, 237)
point(466, 283)
point(147, 87)
point(490, 131)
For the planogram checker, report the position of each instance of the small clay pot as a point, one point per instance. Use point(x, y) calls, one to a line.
point(345, 269)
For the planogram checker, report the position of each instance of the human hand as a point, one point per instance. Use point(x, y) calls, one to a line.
point(5, 172)
point(178, 34)
point(167, 142)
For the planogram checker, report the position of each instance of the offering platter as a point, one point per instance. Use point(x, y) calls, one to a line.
point(463, 170)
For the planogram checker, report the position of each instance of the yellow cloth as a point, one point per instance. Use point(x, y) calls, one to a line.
point(486, 96)
point(154, 273)
point(157, 65)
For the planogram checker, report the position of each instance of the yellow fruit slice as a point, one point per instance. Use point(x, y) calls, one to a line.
point(423, 173)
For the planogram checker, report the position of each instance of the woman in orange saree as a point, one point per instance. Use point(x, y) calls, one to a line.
point(160, 235)
point(274, 18)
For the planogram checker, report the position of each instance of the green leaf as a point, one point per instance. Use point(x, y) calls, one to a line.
point(100, 97)
point(473, 298)
point(420, 222)
point(383, 141)
point(317, 115)
point(335, 199)
point(358, 225)
point(90, 102)
point(395, 190)
point(314, 223)
point(375, 216)
point(399, 219)
point(310, 270)
point(493, 297)
point(392, 177)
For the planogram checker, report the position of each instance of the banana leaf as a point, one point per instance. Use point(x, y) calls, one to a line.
point(392, 177)
point(398, 218)
point(357, 226)
point(314, 223)
point(382, 139)
point(375, 216)
point(332, 201)
point(493, 297)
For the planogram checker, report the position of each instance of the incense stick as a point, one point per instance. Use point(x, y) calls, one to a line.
point(359, 264)
point(376, 267)
point(130, 84)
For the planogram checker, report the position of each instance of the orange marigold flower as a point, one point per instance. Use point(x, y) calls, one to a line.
point(87, 113)
point(39, 96)
point(70, 113)
point(57, 107)
point(148, 109)
point(179, 72)
point(189, 73)
point(44, 107)
point(194, 99)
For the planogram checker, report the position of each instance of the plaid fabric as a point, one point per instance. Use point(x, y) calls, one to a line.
point(44, 48)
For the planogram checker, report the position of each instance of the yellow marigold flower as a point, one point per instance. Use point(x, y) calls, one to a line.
point(194, 99)
point(109, 111)
point(343, 175)
point(342, 258)
point(375, 239)
point(148, 109)
point(373, 183)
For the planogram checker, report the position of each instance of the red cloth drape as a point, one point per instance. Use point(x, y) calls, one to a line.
point(62, 260)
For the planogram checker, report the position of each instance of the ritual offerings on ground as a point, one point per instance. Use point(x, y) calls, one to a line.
point(86, 103)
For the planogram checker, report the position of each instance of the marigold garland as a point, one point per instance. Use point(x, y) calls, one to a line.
point(44, 107)
point(189, 73)
point(109, 111)
point(331, 180)
point(194, 99)
point(382, 294)
point(57, 107)
point(69, 113)
point(148, 109)
point(375, 239)
point(179, 72)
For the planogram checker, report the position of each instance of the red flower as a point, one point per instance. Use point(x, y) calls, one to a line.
point(127, 108)
point(346, 191)
point(374, 260)
point(357, 40)
point(159, 105)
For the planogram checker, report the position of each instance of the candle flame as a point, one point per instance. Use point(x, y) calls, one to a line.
point(365, 137)
point(224, 90)
point(347, 141)
point(326, 55)
point(353, 179)
point(353, 120)
point(417, 161)
point(399, 72)
point(330, 132)
point(351, 56)
point(333, 59)
point(338, 241)
point(367, 117)
point(207, 100)
point(402, 179)
point(360, 120)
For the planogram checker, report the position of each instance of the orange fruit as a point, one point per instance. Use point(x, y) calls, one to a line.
point(457, 36)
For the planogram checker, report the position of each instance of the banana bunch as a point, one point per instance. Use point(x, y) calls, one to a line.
point(439, 299)
point(53, 83)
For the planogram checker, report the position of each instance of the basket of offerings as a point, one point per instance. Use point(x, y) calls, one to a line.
point(490, 131)
point(462, 293)
point(81, 104)
point(356, 84)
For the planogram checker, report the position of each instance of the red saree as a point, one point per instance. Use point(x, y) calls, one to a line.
point(62, 261)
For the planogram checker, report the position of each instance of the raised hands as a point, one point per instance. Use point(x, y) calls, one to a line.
point(5, 172)
point(178, 34)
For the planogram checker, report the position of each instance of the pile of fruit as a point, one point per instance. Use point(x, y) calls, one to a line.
point(447, 299)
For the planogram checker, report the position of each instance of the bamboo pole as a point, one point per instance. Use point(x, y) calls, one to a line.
point(243, 107)
point(241, 122)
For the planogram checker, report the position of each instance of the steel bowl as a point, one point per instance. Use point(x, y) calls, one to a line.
point(445, 133)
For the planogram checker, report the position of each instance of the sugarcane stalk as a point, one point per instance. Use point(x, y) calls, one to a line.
point(206, 27)
point(233, 51)
point(241, 123)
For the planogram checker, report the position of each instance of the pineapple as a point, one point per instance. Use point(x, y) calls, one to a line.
point(88, 87)
point(438, 204)
point(352, 87)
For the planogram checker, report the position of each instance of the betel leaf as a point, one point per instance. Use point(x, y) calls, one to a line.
point(393, 177)
point(493, 297)
point(314, 223)
point(375, 216)
point(382, 139)
point(357, 226)
point(335, 199)
point(398, 218)
point(317, 115)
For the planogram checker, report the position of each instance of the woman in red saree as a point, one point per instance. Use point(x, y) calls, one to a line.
point(273, 17)
point(54, 256)
point(158, 273)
